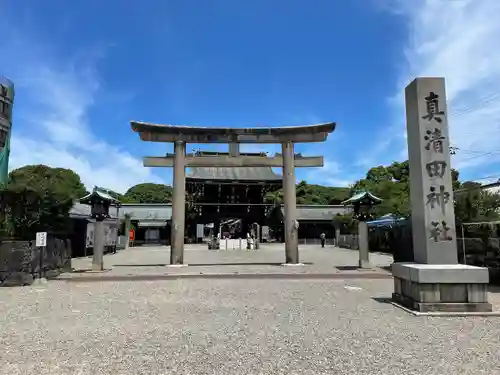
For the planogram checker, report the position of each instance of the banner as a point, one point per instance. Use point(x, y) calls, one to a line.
point(6, 105)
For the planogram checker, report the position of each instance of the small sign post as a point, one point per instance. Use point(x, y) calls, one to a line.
point(41, 243)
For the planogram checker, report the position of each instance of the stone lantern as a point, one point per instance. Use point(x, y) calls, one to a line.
point(99, 202)
point(362, 203)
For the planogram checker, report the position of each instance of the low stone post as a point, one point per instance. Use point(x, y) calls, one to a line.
point(128, 226)
point(98, 256)
point(337, 237)
point(364, 250)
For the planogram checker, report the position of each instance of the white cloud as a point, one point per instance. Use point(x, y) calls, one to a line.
point(459, 40)
point(330, 174)
point(51, 122)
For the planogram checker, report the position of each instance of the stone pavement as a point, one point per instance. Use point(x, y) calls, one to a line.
point(234, 326)
point(267, 260)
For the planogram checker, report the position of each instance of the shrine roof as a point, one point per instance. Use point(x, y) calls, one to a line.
point(81, 210)
point(96, 193)
point(233, 174)
point(362, 195)
point(318, 212)
point(196, 134)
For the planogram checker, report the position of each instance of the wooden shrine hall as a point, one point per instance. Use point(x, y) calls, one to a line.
point(229, 200)
point(288, 160)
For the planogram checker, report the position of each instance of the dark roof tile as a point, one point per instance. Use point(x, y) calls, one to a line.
point(318, 213)
point(235, 173)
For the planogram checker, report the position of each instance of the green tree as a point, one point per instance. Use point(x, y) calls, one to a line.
point(473, 204)
point(149, 193)
point(39, 198)
point(346, 223)
point(312, 194)
point(392, 184)
point(274, 197)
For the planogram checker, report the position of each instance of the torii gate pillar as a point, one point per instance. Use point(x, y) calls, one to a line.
point(178, 204)
point(290, 205)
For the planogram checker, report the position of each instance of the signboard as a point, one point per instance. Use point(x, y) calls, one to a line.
point(6, 101)
point(199, 230)
point(131, 235)
point(41, 239)
point(110, 234)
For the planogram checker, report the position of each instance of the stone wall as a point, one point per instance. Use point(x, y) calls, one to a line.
point(21, 261)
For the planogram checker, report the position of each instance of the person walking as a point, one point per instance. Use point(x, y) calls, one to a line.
point(323, 239)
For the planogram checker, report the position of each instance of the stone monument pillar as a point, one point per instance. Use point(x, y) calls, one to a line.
point(436, 282)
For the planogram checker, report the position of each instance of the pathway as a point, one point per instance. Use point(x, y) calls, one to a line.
point(234, 326)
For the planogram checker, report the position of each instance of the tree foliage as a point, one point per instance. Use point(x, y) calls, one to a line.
point(149, 193)
point(346, 223)
point(391, 183)
point(39, 198)
point(312, 194)
point(473, 204)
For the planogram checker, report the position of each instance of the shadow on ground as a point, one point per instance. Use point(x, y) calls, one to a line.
point(385, 300)
point(494, 288)
point(347, 268)
point(232, 275)
point(209, 264)
point(356, 268)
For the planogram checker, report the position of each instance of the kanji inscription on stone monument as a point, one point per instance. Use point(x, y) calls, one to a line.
point(434, 139)
point(439, 231)
point(438, 198)
point(432, 108)
point(433, 217)
point(436, 168)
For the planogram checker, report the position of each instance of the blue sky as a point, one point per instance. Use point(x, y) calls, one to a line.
point(83, 70)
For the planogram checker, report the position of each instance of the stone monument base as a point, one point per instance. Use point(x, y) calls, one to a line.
point(441, 287)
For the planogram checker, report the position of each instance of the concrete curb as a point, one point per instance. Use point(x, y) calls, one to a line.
point(235, 275)
point(446, 314)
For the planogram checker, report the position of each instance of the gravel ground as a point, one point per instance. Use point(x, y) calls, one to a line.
point(234, 327)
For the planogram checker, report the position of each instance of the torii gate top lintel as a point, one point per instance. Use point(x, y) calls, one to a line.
point(196, 134)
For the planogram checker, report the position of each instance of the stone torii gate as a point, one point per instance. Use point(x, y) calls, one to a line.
point(181, 135)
